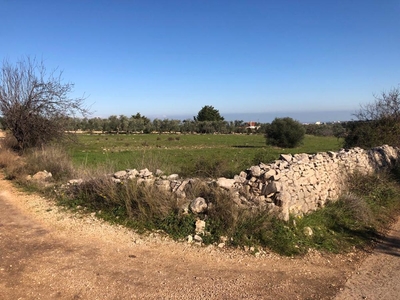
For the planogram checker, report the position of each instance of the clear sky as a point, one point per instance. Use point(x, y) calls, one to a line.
point(169, 58)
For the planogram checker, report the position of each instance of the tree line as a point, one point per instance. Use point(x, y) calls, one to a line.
point(141, 124)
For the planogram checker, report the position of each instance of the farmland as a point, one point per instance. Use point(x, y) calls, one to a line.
point(187, 155)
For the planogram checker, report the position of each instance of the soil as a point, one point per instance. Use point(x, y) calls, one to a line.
point(49, 253)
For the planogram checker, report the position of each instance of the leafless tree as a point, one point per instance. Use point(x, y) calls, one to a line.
point(35, 104)
point(378, 122)
point(385, 106)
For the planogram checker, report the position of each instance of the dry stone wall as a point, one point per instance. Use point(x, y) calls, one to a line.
point(300, 183)
point(294, 184)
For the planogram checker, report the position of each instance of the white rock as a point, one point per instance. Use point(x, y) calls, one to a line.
point(120, 174)
point(75, 181)
point(42, 176)
point(200, 226)
point(173, 177)
point(225, 183)
point(198, 205)
point(255, 171)
point(189, 239)
point(198, 238)
point(145, 173)
point(308, 231)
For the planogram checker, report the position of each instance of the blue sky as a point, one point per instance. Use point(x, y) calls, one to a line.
point(168, 59)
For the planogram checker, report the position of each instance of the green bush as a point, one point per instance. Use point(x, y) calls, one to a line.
point(368, 134)
point(285, 132)
point(378, 122)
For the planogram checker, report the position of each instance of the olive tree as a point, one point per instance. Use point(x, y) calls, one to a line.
point(285, 132)
point(35, 104)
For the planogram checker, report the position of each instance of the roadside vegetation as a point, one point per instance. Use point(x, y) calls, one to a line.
point(358, 217)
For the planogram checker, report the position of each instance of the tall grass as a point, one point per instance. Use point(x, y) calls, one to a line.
point(53, 159)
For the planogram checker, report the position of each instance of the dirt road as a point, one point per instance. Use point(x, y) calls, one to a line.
point(46, 253)
point(378, 277)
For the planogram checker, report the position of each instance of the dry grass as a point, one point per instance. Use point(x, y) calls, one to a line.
point(52, 159)
point(358, 208)
point(12, 163)
point(8, 141)
point(8, 158)
point(144, 203)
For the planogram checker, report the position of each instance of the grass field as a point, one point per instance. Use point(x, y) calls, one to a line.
point(187, 155)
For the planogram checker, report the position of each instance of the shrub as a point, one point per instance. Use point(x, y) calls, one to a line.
point(285, 132)
point(52, 159)
point(7, 158)
point(35, 104)
point(358, 208)
point(10, 160)
point(378, 122)
point(372, 133)
point(222, 214)
point(140, 205)
point(9, 142)
point(12, 163)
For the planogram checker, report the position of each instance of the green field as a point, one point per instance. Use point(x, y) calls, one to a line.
point(187, 155)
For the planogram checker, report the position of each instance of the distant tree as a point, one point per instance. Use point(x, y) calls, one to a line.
point(378, 122)
point(113, 123)
point(138, 116)
point(157, 125)
point(285, 132)
point(138, 123)
point(35, 105)
point(339, 130)
point(208, 113)
point(123, 123)
point(95, 124)
point(188, 126)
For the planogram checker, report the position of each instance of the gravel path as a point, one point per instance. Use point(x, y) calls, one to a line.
point(378, 277)
point(47, 253)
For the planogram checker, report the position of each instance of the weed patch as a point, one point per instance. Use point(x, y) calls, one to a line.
point(52, 159)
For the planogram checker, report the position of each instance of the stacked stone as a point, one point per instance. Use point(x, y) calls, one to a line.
point(301, 183)
point(294, 184)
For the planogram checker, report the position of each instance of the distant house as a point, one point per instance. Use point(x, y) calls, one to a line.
point(252, 125)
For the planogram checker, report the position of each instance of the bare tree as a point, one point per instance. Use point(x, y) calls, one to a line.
point(385, 106)
point(378, 122)
point(35, 105)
